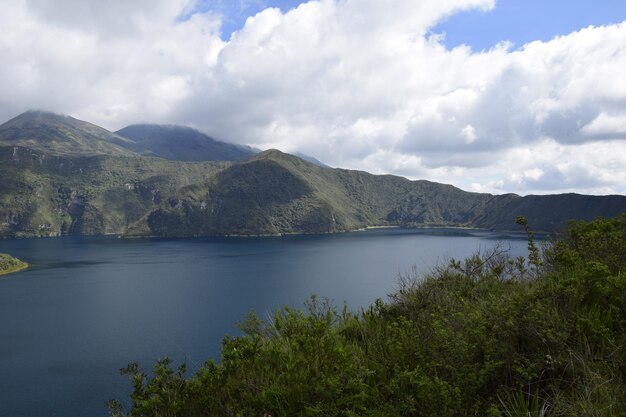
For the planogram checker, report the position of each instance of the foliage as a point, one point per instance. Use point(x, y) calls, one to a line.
point(533, 250)
point(479, 337)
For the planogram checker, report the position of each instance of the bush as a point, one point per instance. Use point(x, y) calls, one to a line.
point(489, 335)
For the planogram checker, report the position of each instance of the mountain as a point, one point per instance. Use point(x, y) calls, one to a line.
point(62, 135)
point(275, 192)
point(48, 195)
point(310, 159)
point(180, 144)
point(50, 188)
point(548, 212)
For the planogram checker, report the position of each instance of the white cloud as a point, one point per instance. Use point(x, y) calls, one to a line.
point(606, 126)
point(356, 83)
point(109, 62)
point(469, 133)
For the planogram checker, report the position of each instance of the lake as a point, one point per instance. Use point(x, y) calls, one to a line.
point(90, 305)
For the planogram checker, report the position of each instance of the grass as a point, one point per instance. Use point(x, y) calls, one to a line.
point(9, 264)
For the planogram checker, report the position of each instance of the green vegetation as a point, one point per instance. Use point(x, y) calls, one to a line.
point(9, 264)
point(61, 135)
point(487, 336)
point(271, 193)
point(65, 176)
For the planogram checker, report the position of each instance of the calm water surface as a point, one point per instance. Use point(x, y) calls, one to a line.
point(90, 305)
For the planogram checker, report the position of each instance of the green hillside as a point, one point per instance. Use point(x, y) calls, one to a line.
point(275, 193)
point(9, 264)
point(47, 195)
point(271, 193)
point(61, 135)
point(548, 211)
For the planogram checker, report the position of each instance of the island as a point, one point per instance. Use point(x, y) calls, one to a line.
point(9, 264)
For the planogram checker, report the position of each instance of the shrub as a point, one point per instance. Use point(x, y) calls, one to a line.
point(483, 336)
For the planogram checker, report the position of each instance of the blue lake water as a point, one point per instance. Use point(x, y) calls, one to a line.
point(90, 305)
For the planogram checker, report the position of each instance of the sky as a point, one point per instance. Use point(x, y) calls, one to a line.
point(488, 95)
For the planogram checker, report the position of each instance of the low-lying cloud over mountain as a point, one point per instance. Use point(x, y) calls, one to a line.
point(356, 83)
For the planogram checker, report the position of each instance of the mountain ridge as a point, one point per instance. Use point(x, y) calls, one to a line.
point(47, 192)
point(181, 143)
point(61, 134)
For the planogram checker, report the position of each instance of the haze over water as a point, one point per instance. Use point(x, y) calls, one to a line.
point(90, 305)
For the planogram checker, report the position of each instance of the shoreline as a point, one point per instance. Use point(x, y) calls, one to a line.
point(283, 234)
point(14, 270)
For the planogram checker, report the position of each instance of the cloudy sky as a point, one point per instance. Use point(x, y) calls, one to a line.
point(488, 95)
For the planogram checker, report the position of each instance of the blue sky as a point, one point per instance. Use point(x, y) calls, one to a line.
point(235, 12)
point(523, 21)
point(517, 21)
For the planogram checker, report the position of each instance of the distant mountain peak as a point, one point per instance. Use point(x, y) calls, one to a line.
point(159, 126)
point(311, 159)
point(60, 134)
point(279, 156)
point(39, 116)
point(39, 112)
point(181, 143)
point(44, 112)
point(269, 153)
point(298, 158)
